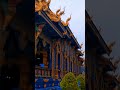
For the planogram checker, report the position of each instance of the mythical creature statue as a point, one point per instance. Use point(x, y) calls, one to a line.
point(41, 5)
point(67, 21)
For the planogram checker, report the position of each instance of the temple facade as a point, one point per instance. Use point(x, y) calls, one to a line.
point(98, 60)
point(57, 50)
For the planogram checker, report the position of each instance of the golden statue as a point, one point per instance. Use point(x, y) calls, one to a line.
point(67, 21)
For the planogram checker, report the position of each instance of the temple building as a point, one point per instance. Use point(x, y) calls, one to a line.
point(57, 50)
point(98, 61)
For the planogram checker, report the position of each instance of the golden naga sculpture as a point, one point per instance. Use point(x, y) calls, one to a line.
point(111, 45)
point(55, 17)
point(67, 21)
point(42, 5)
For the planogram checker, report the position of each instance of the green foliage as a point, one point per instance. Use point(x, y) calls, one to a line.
point(81, 78)
point(69, 82)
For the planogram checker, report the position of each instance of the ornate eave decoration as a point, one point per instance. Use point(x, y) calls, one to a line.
point(56, 17)
point(65, 32)
point(41, 5)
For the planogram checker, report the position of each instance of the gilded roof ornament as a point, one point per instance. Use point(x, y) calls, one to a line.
point(67, 21)
point(41, 5)
point(58, 11)
point(65, 32)
point(56, 17)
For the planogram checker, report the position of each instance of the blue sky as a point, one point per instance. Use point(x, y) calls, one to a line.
point(75, 8)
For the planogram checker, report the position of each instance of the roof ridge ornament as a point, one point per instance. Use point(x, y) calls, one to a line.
point(58, 11)
point(42, 5)
point(67, 21)
point(56, 17)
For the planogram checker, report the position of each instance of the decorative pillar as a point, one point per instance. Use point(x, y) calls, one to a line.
point(61, 65)
point(56, 69)
point(53, 62)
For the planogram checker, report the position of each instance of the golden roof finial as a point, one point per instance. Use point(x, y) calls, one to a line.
point(67, 21)
point(62, 12)
point(58, 11)
point(41, 5)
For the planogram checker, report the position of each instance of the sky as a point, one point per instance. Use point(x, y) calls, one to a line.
point(75, 8)
point(106, 14)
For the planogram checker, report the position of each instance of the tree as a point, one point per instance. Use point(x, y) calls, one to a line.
point(81, 78)
point(69, 82)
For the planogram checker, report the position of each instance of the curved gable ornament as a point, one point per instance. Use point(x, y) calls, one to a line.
point(67, 21)
point(56, 17)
